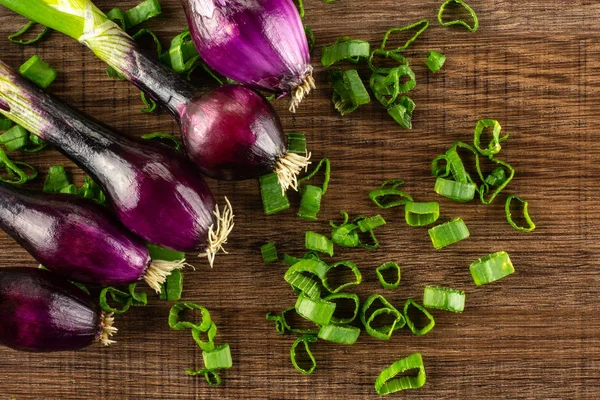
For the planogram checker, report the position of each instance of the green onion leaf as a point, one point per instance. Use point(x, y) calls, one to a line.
point(310, 203)
point(353, 267)
point(402, 111)
point(531, 225)
point(457, 191)
point(176, 324)
point(494, 146)
point(384, 267)
point(269, 252)
point(435, 61)
point(366, 224)
point(443, 298)
point(142, 12)
point(14, 138)
point(315, 310)
point(15, 36)
point(169, 140)
point(273, 198)
point(386, 384)
point(345, 48)
point(448, 233)
point(389, 197)
point(491, 268)
point(343, 296)
point(342, 334)
point(421, 214)
point(349, 92)
point(440, 16)
point(219, 358)
point(345, 235)
point(421, 26)
point(296, 143)
point(318, 242)
point(305, 340)
point(368, 317)
point(423, 312)
point(38, 72)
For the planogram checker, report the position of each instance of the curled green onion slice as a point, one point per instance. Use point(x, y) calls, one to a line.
point(389, 197)
point(310, 203)
point(296, 143)
point(494, 146)
point(297, 278)
point(142, 12)
point(343, 214)
point(212, 377)
point(305, 340)
point(149, 103)
point(421, 26)
point(385, 54)
point(287, 323)
point(291, 260)
point(318, 242)
point(342, 334)
point(440, 16)
point(402, 111)
point(326, 165)
point(176, 324)
point(496, 177)
point(37, 144)
point(335, 267)
point(373, 245)
point(349, 92)
point(457, 191)
point(385, 267)
point(315, 310)
point(345, 235)
point(15, 36)
point(386, 384)
point(343, 296)
point(491, 268)
point(368, 316)
point(455, 163)
point(435, 61)
point(422, 311)
point(387, 86)
point(440, 167)
point(172, 289)
point(14, 138)
point(56, 180)
point(16, 175)
point(421, 214)
point(209, 343)
point(484, 189)
point(530, 223)
point(118, 296)
point(392, 183)
point(448, 233)
point(273, 198)
point(345, 48)
point(279, 325)
point(269, 252)
point(219, 358)
point(170, 140)
point(369, 223)
point(443, 298)
point(38, 72)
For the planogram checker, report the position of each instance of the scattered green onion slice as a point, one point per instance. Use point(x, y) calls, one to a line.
point(118, 296)
point(16, 175)
point(164, 137)
point(369, 223)
point(385, 384)
point(318, 242)
point(342, 334)
point(142, 12)
point(389, 197)
point(343, 214)
point(315, 310)
point(211, 332)
point(38, 72)
point(297, 278)
point(435, 61)
point(305, 340)
point(455, 163)
point(219, 358)
point(15, 36)
point(421, 214)
point(326, 174)
point(14, 138)
point(530, 223)
point(368, 316)
point(172, 289)
point(421, 26)
point(310, 203)
point(269, 252)
point(447, 233)
point(176, 324)
point(347, 296)
point(496, 177)
point(279, 325)
point(56, 180)
point(345, 48)
point(349, 92)
point(386, 86)
point(411, 324)
point(333, 267)
point(443, 298)
point(491, 268)
point(291, 260)
point(296, 143)
point(385, 267)
point(5, 123)
point(494, 146)
point(438, 169)
point(402, 111)
point(36, 144)
point(374, 242)
point(289, 327)
point(345, 235)
point(457, 191)
point(385, 54)
point(148, 102)
point(484, 189)
point(273, 198)
point(440, 16)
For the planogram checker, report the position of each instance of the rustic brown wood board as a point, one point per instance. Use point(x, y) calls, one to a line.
point(533, 65)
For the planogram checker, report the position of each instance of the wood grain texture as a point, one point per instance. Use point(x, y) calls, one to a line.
point(533, 65)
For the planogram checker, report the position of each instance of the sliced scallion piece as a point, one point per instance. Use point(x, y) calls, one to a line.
point(16, 175)
point(345, 235)
point(349, 92)
point(374, 242)
point(345, 48)
point(279, 325)
point(493, 146)
point(287, 322)
point(269, 252)
point(457, 191)
point(402, 111)
point(368, 317)
point(484, 189)
point(421, 214)
point(389, 197)
point(334, 297)
point(211, 332)
point(491, 268)
point(440, 16)
point(273, 198)
point(456, 165)
point(326, 165)
point(336, 266)
point(173, 286)
point(342, 334)
point(421, 26)
point(318, 242)
point(496, 177)
point(435, 61)
point(38, 72)
point(176, 324)
point(315, 310)
point(422, 311)
point(310, 203)
point(15, 36)
point(387, 86)
point(296, 143)
point(443, 298)
point(386, 382)
point(297, 277)
point(366, 224)
point(385, 267)
point(305, 340)
point(530, 223)
point(219, 358)
point(14, 138)
point(448, 233)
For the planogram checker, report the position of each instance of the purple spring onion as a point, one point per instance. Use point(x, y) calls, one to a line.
point(42, 312)
point(230, 133)
point(79, 239)
point(260, 43)
point(155, 191)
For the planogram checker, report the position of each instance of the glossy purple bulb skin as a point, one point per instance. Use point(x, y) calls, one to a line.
point(232, 134)
point(43, 312)
point(73, 237)
point(260, 43)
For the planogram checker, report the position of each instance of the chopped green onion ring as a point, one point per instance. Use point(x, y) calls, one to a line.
point(13, 170)
point(176, 324)
point(345, 235)
point(371, 246)
point(296, 143)
point(269, 252)
point(310, 202)
point(496, 177)
point(440, 171)
point(385, 384)
point(14, 138)
point(315, 310)
point(457, 191)
point(353, 267)
point(387, 87)
point(367, 317)
point(218, 358)
point(343, 214)
point(38, 71)
point(530, 223)
point(389, 197)
point(440, 16)
point(491, 268)
point(411, 325)
point(349, 92)
point(317, 242)
point(279, 325)
point(385, 267)
point(484, 189)
point(494, 146)
point(273, 198)
point(15, 36)
point(448, 233)
point(295, 276)
point(211, 332)
point(421, 214)
point(391, 54)
point(369, 223)
point(348, 296)
point(342, 334)
point(435, 61)
point(443, 298)
point(421, 29)
point(118, 296)
point(345, 48)
point(402, 111)
point(305, 340)
point(289, 327)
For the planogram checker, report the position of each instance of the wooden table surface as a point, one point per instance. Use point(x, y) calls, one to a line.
point(533, 65)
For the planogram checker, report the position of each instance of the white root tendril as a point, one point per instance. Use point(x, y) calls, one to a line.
point(300, 91)
point(106, 322)
point(218, 237)
point(159, 270)
point(287, 169)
